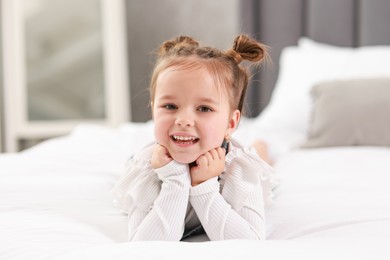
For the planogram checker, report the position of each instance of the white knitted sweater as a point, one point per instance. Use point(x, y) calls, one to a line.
point(161, 203)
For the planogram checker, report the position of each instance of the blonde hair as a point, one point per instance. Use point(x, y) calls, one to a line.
point(224, 66)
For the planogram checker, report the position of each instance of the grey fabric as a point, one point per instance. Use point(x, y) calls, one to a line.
point(353, 112)
point(331, 21)
point(374, 22)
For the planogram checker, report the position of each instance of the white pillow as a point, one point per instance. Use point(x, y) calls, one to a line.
point(284, 122)
point(307, 43)
point(365, 61)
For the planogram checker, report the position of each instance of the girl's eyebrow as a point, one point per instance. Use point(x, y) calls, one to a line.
point(201, 100)
point(208, 100)
point(167, 97)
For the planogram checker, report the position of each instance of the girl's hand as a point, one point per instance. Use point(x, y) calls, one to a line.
point(160, 156)
point(208, 165)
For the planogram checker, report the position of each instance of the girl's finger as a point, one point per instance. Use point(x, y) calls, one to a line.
point(202, 161)
point(163, 150)
point(209, 157)
point(214, 154)
point(221, 153)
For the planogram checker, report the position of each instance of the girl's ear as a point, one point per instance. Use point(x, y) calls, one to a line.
point(233, 122)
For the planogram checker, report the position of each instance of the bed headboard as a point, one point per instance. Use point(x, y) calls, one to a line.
point(280, 23)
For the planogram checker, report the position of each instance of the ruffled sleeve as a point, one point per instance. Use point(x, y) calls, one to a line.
point(244, 170)
point(130, 188)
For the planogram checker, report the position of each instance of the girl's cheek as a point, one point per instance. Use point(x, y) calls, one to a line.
point(161, 128)
point(214, 139)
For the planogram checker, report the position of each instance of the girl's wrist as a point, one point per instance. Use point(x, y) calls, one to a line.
point(175, 170)
point(207, 186)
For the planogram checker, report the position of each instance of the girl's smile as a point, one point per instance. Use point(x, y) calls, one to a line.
point(184, 140)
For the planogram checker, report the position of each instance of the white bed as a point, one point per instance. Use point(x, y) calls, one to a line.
point(331, 203)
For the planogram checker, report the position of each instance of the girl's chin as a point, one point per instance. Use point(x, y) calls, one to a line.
point(184, 159)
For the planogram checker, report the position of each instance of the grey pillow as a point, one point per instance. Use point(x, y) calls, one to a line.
point(347, 113)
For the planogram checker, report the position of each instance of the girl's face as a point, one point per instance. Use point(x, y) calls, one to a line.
point(191, 115)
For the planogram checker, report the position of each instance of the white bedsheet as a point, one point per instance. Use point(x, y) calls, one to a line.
point(55, 203)
point(333, 193)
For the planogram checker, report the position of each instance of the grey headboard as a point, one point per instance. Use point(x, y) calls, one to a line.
point(280, 23)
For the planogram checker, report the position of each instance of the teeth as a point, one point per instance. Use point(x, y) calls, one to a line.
point(184, 138)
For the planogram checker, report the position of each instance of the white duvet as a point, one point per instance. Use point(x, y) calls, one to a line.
point(55, 203)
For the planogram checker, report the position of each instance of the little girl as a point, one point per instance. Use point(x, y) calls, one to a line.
point(186, 183)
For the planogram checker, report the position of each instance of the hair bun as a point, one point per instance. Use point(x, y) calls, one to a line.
point(178, 44)
point(246, 48)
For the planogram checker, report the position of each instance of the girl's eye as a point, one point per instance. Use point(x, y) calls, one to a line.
point(204, 109)
point(170, 107)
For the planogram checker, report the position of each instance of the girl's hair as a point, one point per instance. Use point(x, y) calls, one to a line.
point(184, 52)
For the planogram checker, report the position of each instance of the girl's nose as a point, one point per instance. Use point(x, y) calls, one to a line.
point(184, 122)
